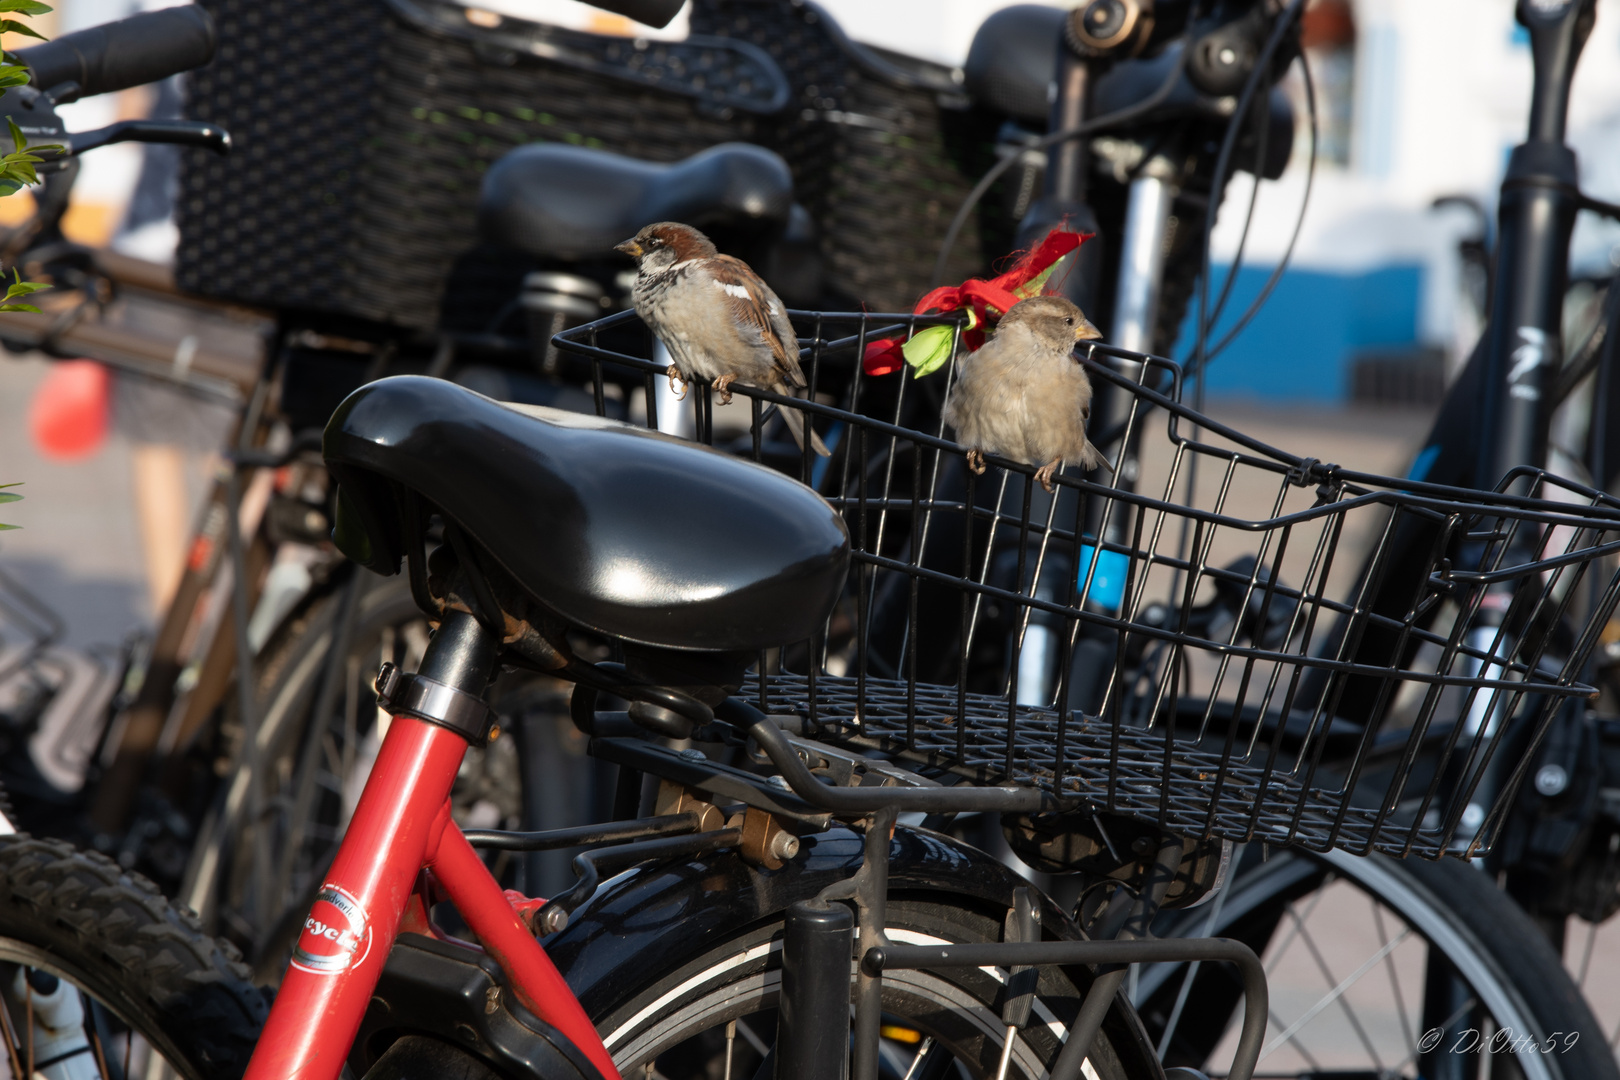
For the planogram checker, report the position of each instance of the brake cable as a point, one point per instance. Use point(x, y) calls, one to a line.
point(1118, 116)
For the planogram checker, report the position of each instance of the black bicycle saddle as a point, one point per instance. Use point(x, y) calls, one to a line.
point(569, 202)
point(1013, 61)
point(614, 528)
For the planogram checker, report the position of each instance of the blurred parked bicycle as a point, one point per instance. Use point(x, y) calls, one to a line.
point(302, 741)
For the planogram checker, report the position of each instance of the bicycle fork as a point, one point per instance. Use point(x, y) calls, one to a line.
point(400, 828)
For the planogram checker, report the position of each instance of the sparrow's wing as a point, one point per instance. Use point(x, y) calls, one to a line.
point(755, 307)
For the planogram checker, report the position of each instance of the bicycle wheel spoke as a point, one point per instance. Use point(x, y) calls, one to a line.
point(13, 1044)
point(1192, 969)
point(92, 1012)
point(1457, 1014)
point(1293, 931)
point(1394, 976)
point(752, 1039)
point(1292, 1037)
point(28, 1013)
point(1586, 954)
point(933, 1062)
point(1337, 993)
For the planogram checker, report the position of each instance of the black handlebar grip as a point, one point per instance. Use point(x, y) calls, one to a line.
point(130, 52)
point(650, 12)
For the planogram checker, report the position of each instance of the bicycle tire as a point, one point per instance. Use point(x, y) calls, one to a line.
point(1520, 984)
point(113, 935)
point(678, 1022)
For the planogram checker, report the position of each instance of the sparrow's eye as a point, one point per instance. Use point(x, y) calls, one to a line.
point(1085, 413)
point(1068, 320)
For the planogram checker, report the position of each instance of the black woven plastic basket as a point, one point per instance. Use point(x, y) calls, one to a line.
point(362, 130)
point(884, 148)
point(1227, 663)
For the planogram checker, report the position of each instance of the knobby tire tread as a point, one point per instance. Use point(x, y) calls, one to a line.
point(139, 951)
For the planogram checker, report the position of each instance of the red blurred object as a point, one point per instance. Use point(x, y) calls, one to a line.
point(68, 417)
point(987, 300)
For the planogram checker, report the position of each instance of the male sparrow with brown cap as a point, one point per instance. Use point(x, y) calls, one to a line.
point(1024, 395)
point(718, 320)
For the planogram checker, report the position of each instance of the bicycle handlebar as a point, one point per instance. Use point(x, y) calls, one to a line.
point(196, 133)
point(130, 52)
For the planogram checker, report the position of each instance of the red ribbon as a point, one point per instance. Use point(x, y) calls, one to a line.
point(883, 357)
point(988, 300)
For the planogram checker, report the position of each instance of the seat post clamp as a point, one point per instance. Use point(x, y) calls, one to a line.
point(438, 703)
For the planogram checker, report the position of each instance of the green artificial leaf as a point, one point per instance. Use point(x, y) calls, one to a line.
point(17, 137)
point(12, 26)
point(13, 76)
point(25, 7)
point(929, 350)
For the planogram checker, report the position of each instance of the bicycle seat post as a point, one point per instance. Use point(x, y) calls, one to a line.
point(437, 713)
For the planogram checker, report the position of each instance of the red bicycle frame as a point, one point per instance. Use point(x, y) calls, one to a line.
point(401, 827)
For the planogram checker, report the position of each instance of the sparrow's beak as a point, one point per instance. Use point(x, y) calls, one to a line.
point(630, 248)
point(1086, 331)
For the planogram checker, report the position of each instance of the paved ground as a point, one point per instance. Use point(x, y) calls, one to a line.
point(78, 547)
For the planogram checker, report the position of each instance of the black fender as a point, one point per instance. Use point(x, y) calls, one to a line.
point(649, 922)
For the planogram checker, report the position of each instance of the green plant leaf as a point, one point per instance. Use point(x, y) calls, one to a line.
point(928, 350)
point(17, 168)
point(9, 496)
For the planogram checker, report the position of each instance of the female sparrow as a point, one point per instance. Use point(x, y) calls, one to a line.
point(1024, 395)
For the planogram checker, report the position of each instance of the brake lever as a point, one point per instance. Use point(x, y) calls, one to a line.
point(179, 132)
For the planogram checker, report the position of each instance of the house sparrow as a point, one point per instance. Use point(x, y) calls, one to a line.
point(718, 320)
point(1024, 396)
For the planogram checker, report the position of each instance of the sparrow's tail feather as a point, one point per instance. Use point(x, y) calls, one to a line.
point(1093, 457)
point(795, 425)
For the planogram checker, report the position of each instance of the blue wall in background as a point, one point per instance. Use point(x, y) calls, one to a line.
point(1299, 347)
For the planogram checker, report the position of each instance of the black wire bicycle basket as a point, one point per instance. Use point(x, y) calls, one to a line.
point(1219, 638)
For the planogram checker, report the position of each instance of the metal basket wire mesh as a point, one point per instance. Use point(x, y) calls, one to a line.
point(1259, 646)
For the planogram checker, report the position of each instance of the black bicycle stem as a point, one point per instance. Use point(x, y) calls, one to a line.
point(1540, 196)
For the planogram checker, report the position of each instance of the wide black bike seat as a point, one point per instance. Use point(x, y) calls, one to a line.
point(570, 202)
point(614, 528)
